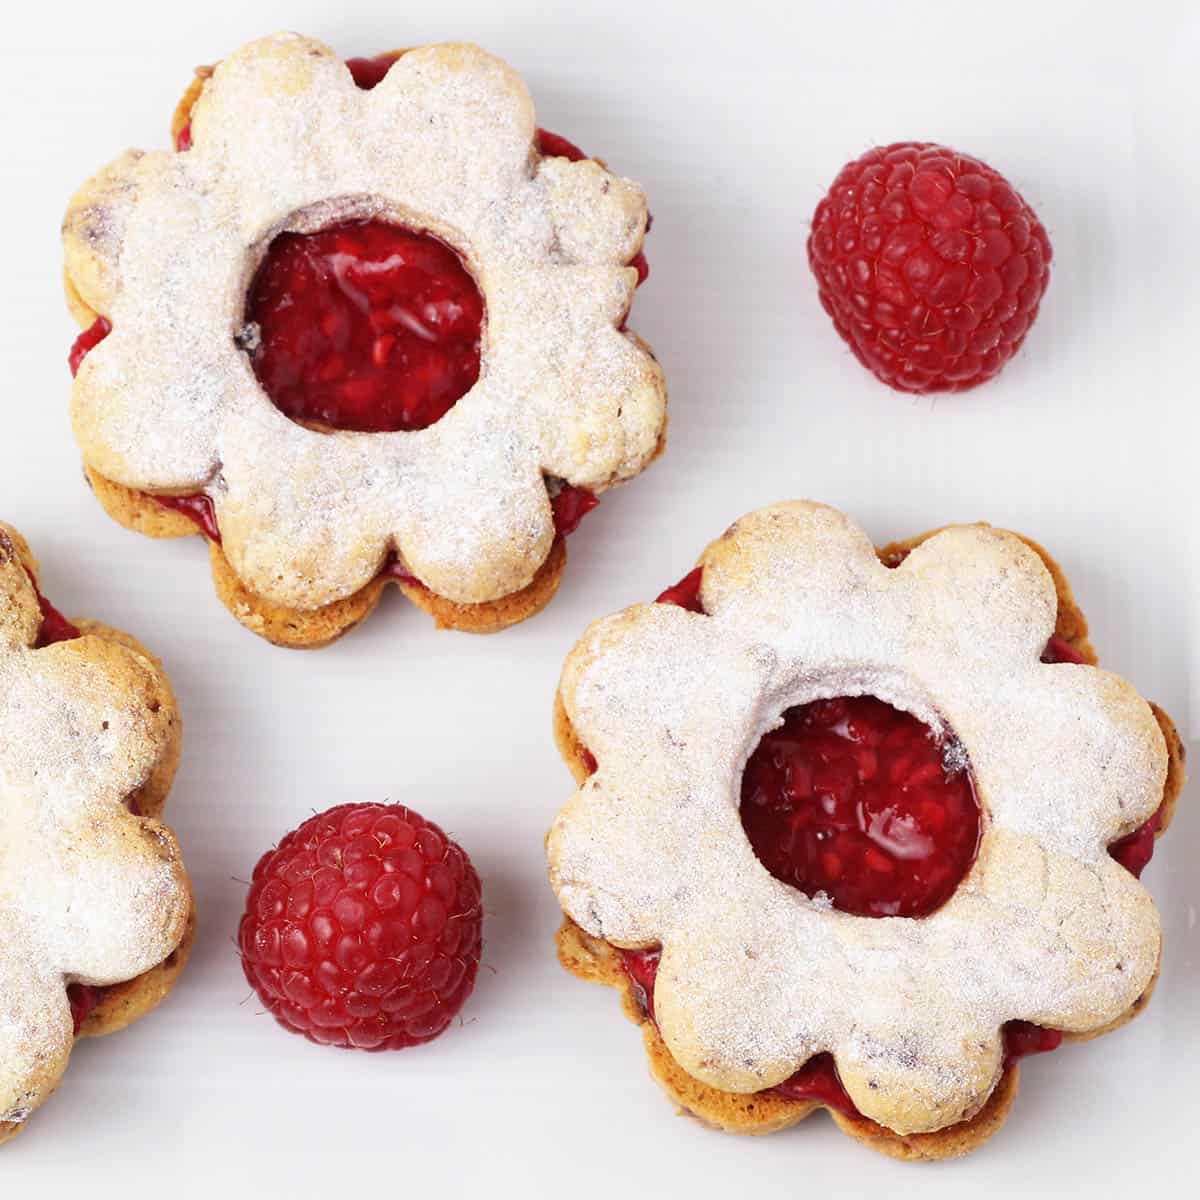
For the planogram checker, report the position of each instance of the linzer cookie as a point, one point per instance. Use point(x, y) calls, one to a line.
point(366, 324)
point(858, 829)
point(95, 905)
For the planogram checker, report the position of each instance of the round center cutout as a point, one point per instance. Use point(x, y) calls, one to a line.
point(859, 801)
point(364, 326)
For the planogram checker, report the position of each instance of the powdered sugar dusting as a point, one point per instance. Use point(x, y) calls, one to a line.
point(755, 978)
point(88, 892)
point(282, 139)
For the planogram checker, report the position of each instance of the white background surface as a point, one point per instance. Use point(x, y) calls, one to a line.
point(735, 118)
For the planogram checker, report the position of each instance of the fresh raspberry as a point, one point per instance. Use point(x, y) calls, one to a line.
point(363, 928)
point(930, 264)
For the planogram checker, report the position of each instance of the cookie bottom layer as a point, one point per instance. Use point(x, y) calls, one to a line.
point(595, 961)
point(312, 628)
point(123, 1003)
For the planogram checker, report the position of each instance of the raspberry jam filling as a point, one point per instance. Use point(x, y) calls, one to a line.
point(364, 326)
point(55, 627)
point(1133, 851)
point(569, 505)
point(197, 508)
point(854, 800)
point(88, 340)
point(367, 72)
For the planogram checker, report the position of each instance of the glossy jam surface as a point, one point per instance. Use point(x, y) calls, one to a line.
point(1059, 650)
point(857, 800)
point(365, 326)
point(55, 627)
point(83, 999)
point(569, 506)
point(1022, 1039)
point(197, 508)
point(87, 341)
point(686, 593)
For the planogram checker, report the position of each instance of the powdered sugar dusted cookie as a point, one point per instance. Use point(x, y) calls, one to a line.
point(860, 828)
point(95, 904)
point(372, 331)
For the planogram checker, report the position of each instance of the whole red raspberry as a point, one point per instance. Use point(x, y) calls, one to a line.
point(930, 264)
point(363, 928)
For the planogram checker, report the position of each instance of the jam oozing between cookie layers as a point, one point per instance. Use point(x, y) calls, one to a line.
point(818, 1079)
point(855, 799)
point(365, 326)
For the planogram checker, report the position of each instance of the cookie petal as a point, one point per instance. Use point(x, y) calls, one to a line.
point(94, 230)
point(598, 217)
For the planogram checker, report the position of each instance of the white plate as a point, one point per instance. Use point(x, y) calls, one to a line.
point(735, 118)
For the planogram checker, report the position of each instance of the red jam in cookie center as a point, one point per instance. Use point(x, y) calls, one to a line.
point(857, 800)
point(365, 326)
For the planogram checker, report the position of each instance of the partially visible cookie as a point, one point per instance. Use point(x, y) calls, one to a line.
point(96, 914)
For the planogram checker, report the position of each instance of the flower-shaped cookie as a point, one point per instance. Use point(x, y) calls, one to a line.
point(756, 978)
point(90, 894)
point(166, 245)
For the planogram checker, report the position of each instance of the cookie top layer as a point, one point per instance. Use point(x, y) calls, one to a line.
point(165, 245)
point(756, 977)
point(89, 892)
